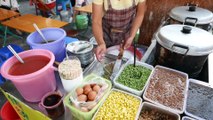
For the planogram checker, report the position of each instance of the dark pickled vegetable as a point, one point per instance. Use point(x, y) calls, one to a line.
point(155, 115)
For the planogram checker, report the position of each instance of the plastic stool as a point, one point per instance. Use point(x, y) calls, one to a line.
point(70, 40)
point(5, 52)
point(63, 3)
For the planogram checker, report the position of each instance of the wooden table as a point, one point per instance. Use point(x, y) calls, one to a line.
point(25, 23)
point(6, 14)
point(87, 8)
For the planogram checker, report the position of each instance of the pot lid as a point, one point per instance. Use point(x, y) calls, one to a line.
point(185, 39)
point(180, 13)
point(79, 47)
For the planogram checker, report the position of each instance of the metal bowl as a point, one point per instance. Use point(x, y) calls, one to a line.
point(83, 50)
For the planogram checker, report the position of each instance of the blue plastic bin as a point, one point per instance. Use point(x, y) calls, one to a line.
point(5, 52)
point(70, 40)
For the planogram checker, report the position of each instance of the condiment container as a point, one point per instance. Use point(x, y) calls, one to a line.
point(52, 102)
point(199, 103)
point(70, 72)
point(130, 73)
point(120, 106)
point(167, 88)
point(152, 111)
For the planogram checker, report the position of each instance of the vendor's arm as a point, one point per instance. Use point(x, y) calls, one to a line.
point(141, 8)
point(97, 14)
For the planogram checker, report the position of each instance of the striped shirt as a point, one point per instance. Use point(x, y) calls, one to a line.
point(116, 4)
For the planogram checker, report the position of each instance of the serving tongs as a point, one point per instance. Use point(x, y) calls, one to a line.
point(118, 62)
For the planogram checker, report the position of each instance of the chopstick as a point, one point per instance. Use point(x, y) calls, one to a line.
point(134, 53)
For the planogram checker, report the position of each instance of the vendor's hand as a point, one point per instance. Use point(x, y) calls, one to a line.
point(100, 51)
point(128, 42)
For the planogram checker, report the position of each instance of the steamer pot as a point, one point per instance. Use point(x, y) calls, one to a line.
point(191, 15)
point(183, 47)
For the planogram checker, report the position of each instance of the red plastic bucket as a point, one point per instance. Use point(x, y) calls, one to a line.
point(8, 113)
point(49, 5)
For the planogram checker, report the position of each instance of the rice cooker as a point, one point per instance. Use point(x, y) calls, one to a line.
point(183, 47)
point(191, 15)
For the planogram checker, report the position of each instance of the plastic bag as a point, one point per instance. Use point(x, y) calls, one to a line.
point(88, 105)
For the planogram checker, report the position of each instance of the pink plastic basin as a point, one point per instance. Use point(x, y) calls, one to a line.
point(35, 85)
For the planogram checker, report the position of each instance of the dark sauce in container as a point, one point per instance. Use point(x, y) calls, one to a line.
point(54, 106)
point(44, 42)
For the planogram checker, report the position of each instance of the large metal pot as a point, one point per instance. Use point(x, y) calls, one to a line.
point(191, 15)
point(184, 48)
point(83, 50)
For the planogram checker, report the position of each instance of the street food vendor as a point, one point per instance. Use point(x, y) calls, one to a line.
point(43, 6)
point(115, 21)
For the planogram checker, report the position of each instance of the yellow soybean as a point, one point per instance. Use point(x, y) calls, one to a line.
point(118, 106)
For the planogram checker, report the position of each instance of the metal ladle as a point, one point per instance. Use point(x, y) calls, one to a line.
point(15, 54)
point(40, 33)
